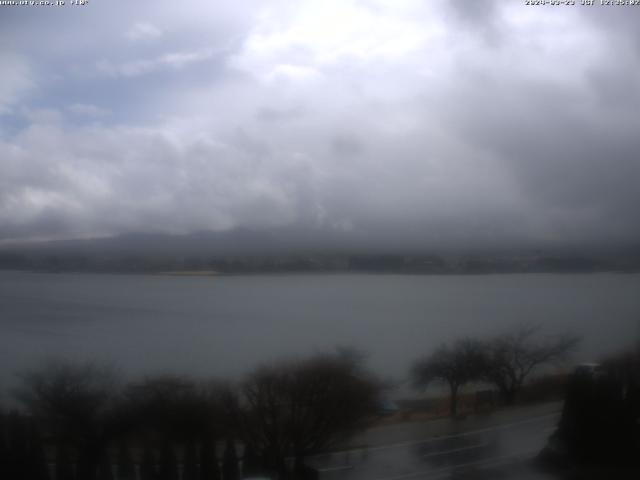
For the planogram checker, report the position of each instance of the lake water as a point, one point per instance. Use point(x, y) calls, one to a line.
point(223, 326)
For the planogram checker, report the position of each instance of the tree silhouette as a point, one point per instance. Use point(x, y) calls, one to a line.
point(36, 460)
point(21, 450)
point(455, 365)
point(64, 465)
point(230, 462)
point(168, 463)
point(190, 462)
point(148, 465)
point(72, 402)
point(512, 357)
point(126, 467)
point(104, 467)
point(4, 447)
point(298, 408)
point(174, 408)
point(208, 462)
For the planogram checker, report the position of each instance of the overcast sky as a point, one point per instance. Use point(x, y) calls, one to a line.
point(451, 120)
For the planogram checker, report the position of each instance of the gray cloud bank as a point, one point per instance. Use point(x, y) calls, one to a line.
point(440, 123)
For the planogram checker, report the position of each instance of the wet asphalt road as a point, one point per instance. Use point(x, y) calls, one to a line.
point(499, 451)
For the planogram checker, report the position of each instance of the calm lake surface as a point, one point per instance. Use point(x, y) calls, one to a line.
point(223, 326)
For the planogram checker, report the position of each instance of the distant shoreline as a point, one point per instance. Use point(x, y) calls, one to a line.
point(188, 273)
point(217, 273)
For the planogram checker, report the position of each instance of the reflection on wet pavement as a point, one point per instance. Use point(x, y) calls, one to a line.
point(502, 451)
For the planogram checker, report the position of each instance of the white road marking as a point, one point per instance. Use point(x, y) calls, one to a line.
point(455, 450)
point(445, 471)
point(503, 426)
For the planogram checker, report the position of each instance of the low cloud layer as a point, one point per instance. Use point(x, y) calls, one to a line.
point(490, 123)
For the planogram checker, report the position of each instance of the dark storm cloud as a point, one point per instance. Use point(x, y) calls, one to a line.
point(566, 137)
point(442, 122)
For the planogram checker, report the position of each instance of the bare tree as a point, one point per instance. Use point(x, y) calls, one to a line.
point(297, 408)
point(173, 408)
point(69, 397)
point(71, 401)
point(512, 357)
point(454, 365)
